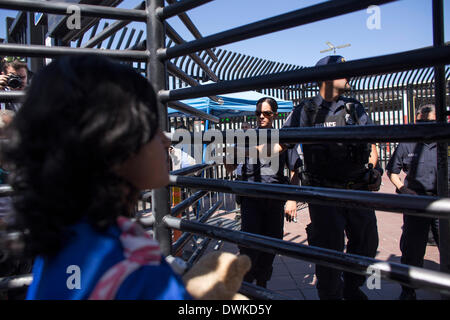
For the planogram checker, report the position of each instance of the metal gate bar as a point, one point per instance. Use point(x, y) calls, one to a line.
point(442, 148)
point(296, 18)
point(426, 206)
point(53, 52)
point(155, 57)
point(371, 133)
point(112, 29)
point(178, 245)
point(178, 7)
point(403, 274)
point(156, 72)
point(193, 29)
point(376, 65)
point(193, 169)
point(85, 9)
point(183, 205)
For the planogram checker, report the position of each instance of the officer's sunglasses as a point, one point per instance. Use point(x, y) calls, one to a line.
point(265, 113)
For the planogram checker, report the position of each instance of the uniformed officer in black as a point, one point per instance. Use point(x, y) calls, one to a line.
point(419, 162)
point(344, 166)
point(262, 215)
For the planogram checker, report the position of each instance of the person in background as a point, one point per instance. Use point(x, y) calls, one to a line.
point(13, 77)
point(341, 166)
point(263, 215)
point(419, 162)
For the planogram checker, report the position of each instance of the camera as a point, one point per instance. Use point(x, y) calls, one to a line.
point(14, 81)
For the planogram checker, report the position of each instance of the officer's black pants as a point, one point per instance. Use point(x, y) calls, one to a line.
point(413, 241)
point(326, 230)
point(264, 217)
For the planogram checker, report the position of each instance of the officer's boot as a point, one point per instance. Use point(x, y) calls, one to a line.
point(261, 283)
point(354, 293)
point(407, 294)
point(249, 277)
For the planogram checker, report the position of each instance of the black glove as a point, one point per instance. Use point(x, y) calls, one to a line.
point(374, 180)
point(406, 190)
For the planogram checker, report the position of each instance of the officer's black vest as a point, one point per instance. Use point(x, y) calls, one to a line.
point(340, 162)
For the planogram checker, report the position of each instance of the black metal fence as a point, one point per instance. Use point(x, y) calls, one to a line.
point(159, 63)
point(390, 98)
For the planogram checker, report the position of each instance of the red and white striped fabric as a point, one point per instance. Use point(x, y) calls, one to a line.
point(139, 249)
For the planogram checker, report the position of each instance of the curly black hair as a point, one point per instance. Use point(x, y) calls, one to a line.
point(82, 117)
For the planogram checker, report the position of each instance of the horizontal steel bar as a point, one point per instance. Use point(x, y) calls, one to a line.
point(177, 72)
point(180, 106)
point(428, 132)
point(371, 133)
point(425, 206)
point(85, 9)
point(407, 275)
point(179, 7)
point(183, 205)
point(193, 29)
point(180, 243)
point(369, 66)
point(52, 52)
point(288, 20)
point(194, 56)
point(193, 169)
point(15, 282)
point(6, 190)
point(201, 248)
point(12, 96)
point(105, 33)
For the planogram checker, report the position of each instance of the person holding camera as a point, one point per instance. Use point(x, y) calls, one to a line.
point(13, 77)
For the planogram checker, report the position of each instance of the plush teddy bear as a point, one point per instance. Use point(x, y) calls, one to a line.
point(217, 276)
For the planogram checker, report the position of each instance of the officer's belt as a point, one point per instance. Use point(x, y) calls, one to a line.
point(326, 183)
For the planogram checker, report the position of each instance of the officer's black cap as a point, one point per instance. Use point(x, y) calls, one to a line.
point(330, 60)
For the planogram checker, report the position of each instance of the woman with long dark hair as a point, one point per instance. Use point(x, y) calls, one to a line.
point(259, 215)
point(82, 146)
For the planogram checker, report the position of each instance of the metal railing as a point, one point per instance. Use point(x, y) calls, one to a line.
point(157, 56)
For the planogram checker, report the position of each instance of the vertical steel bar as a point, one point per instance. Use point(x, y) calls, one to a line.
point(156, 71)
point(441, 110)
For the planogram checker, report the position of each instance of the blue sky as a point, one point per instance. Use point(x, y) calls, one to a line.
point(405, 25)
